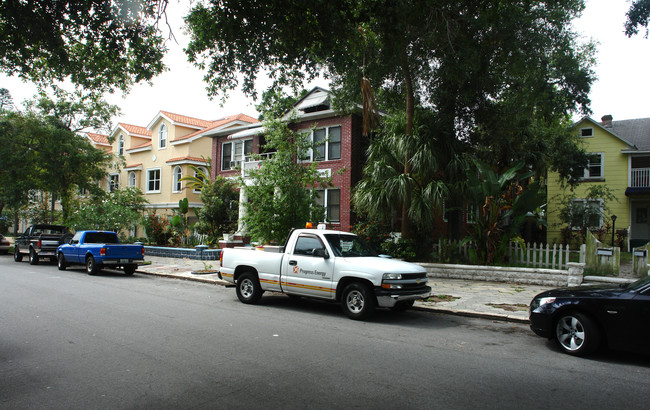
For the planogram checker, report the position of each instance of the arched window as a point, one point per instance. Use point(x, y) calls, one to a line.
point(132, 179)
point(178, 174)
point(162, 136)
point(200, 176)
point(120, 146)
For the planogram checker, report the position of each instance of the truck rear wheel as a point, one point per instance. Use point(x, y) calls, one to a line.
point(91, 266)
point(129, 269)
point(248, 288)
point(33, 257)
point(358, 301)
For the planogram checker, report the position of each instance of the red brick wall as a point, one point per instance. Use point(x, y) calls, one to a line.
point(350, 162)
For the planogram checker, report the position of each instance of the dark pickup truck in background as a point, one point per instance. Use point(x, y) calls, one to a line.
point(40, 241)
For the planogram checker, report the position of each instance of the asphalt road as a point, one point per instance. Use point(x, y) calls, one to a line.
point(69, 340)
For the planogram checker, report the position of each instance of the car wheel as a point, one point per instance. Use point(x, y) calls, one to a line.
point(403, 305)
point(18, 257)
point(91, 266)
point(248, 288)
point(33, 257)
point(129, 269)
point(358, 301)
point(61, 262)
point(577, 334)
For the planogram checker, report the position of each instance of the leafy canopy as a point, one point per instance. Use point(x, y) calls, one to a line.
point(99, 45)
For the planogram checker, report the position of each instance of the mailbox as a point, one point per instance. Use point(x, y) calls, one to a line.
point(605, 252)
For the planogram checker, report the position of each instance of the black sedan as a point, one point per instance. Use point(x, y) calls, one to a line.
point(582, 318)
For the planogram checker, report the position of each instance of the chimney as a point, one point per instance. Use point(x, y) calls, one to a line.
point(607, 121)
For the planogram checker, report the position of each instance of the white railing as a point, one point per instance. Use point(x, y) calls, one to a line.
point(640, 177)
point(250, 163)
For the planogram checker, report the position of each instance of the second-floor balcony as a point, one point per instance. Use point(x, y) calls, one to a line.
point(640, 178)
point(254, 163)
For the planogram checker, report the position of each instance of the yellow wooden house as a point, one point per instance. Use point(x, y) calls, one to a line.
point(619, 158)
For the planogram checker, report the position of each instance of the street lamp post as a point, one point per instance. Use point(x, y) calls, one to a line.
point(613, 228)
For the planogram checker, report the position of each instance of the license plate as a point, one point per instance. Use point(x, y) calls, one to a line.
point(125, 260)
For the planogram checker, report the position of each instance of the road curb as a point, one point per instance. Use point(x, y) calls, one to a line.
point(457, 312)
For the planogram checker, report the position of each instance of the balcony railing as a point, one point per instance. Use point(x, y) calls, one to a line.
point(640, 177)
point(249, 163)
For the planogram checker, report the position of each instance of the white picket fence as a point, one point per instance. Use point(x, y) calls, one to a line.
point(533, 255)
point(541, 256)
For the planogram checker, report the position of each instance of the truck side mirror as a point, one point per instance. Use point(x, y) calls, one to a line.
point(320, 253)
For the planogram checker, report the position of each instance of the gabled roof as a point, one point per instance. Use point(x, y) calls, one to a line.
point(636, 131)
point(177, 119)
point(609, 130)
point(230, 121)
point(141, 147)
point(133, 130)
point(98, 139)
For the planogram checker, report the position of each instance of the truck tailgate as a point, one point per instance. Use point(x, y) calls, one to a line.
point(123, 251)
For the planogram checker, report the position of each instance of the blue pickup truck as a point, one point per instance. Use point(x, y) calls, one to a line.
point(99, 249)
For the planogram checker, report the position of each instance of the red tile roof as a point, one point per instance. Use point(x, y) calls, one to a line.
point(219, 123)
point(134, 129)
point(183, 119)
point(98, 138)
point(146, 144)
point(188, 158)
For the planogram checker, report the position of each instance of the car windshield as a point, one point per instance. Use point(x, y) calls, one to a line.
point(638, 284)
point(349, 246)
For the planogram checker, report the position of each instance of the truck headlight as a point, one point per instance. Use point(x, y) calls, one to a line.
point(392, 276)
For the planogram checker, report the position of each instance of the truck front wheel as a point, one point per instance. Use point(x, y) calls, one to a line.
point(249, 290)
point(18, 257)
point(358, 301)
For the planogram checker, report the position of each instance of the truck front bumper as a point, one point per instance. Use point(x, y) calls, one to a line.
point(389, 298)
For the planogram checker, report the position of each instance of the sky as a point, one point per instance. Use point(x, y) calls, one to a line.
point(622, 87)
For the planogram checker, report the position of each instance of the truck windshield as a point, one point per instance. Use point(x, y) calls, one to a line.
point(349, 246)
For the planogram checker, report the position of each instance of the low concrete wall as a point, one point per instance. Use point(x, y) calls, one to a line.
point(532, 276)
point(201, 252)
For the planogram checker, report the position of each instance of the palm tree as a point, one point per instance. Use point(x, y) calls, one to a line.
point(386, 188)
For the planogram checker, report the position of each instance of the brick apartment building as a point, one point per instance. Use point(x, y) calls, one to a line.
point(342, 148)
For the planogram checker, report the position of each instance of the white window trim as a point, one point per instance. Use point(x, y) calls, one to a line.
point(327, 144)
point(587, 136)
point(117, 182)
point(149, 180)
point(585, 203)
point(120, 146)
point(586, 176)
point(176, 180)
point(205, 171)
point(162, 128)
point(326, 204)
point(135, 183)
point(232, 153)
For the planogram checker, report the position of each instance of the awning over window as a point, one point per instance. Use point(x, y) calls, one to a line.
point(247, 133)
point(637, 191)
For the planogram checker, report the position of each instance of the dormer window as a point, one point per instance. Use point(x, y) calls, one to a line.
point(162, 137)
point(586, 132)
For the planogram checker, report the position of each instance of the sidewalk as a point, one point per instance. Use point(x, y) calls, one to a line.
point(490, 300)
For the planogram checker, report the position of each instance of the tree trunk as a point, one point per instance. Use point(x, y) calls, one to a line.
point(410, 111)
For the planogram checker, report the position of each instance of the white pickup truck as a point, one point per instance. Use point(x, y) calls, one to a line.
point(326, 264)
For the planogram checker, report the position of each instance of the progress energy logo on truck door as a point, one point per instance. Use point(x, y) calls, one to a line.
point(309, 275)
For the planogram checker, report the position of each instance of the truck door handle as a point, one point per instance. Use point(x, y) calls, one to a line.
point(293, 263)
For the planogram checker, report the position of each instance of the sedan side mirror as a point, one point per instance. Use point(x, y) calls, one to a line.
point(320, 253)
